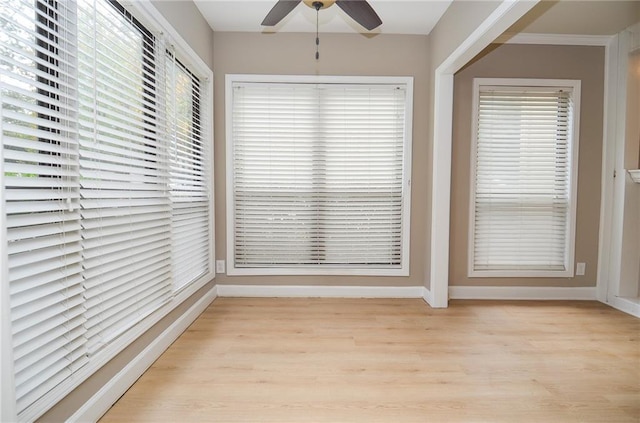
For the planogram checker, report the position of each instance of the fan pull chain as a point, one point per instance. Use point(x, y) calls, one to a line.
point(317, 5)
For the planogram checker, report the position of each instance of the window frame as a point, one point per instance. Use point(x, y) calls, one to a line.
point(325, 270)
point(573, 141)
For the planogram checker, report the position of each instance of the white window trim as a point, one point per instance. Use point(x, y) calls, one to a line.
point(403, 270)
point(152, 19)
point(571, 223)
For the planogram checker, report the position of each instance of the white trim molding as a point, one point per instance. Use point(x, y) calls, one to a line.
point(504, 15)
point(521, 293)
point(606, 236)
point(427, 297)
point(313, 291)
point(111, 391)
point(554, 39)
point(626, 305)
point(613, 188)
point(279, 265)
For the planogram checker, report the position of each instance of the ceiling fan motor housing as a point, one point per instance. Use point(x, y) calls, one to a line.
point(314, 4)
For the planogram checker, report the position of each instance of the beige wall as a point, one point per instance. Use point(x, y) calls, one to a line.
point(187, 20)
point(340, 54)
point(532, 61)
point(596, 17)
point(632, 124)
point(455, 26)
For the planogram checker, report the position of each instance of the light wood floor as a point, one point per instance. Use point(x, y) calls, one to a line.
point(347, 360)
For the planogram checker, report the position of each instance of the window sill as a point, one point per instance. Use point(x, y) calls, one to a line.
point(521, 273)
point(635, 175)
point(318, 271)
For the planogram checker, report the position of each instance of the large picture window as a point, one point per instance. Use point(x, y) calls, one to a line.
point(524, 177)
point(107, 182)
point(320, 175)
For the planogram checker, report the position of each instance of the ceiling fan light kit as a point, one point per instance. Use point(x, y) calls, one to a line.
point(359, 10)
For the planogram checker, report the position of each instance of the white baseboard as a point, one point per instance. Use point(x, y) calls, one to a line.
point(521, 293)
point(320, 291)
point(102, 400)
point(426, 296)
point(627, 305)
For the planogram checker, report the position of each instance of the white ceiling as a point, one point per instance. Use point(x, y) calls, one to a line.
point(398, 16)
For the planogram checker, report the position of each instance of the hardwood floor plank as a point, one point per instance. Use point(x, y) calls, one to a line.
point(394, 360)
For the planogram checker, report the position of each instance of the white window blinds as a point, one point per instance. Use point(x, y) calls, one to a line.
point(106, 176)
point(523, 194)
point(126, 216)
point(319, 175)
point(42, 199)
point(189, 173)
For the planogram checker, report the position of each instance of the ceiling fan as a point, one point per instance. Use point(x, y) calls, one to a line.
point(359, 10)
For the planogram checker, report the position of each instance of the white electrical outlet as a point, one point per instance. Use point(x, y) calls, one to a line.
point(580, 269)
point(220, 266)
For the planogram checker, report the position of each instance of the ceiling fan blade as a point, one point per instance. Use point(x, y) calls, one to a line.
point(361, 12)
point(279, 11)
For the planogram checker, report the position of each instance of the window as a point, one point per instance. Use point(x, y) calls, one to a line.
point(189, 174)
point(106, 176)
point(126, 218)
point(320, 175)
point(41, 199)
point(523, 196)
